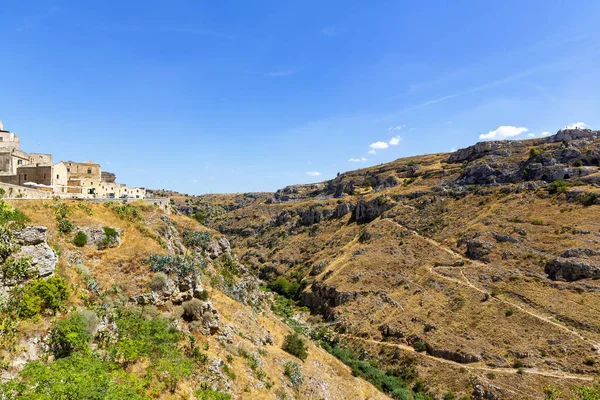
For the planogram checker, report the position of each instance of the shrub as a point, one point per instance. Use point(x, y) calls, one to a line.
point(537, 222)
point(420, 346)
point(508, 313)
point(196, 239)
point(43, 294)
point(16, 268)
point(70, 335)
point(65, 226)
point(193, 309)
point(292, 371)
point(202, 295)
point(408, 181)
point(159, 282)
point(80, 239)
point(557, 187)
point(126, 212)
point(578, 163)
point(589, 362)
point(518, 364)
point(533, 152)
point(294, 345)
point(589, 199)
point(110, 234)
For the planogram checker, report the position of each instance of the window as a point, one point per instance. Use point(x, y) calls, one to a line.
point(57, 176)
point(89, 171)
point(68, 169)
point(25, 177)
point(20, 162)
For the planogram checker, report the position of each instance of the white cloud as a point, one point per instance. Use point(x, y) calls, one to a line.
point(395, 141)
point(357, 159)
point(313, 173)
point(379, 145)
point(544, 134)
point(372, 152)
point(396, 128)
point(576, 125)
point(531, 135)
point(453, 149)
point(503, 132)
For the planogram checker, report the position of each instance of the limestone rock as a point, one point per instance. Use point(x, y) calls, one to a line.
point(30, 235)
point(574, 264)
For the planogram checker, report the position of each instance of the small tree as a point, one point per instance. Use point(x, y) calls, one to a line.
point(70, 335)
point(65, 226)
point(294, 345)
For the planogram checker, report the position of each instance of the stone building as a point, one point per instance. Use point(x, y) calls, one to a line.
point(36, 171)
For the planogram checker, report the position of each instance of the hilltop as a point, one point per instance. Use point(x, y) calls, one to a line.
point(477, 268)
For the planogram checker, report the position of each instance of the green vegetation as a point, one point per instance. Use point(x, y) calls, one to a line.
point(126, 212)
point(292, 371)
point(294, 345)
point(80, 239)
point(65, 226)
point(284, 287)
point(70, 335)
point(15, 268)
point(172, 265)
point(208, 394)
point(394, 383)
point(408, 181)
point(196, 239)
point(577, 163)
point(534, 152)
point(40, 295)
point(558, 187)
point(589, 199)
point(110, 235)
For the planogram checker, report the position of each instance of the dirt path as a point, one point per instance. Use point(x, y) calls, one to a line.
point(475, 366)
point(467, 282)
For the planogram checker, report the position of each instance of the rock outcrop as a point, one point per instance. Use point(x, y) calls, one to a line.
point(574, 264)
point(32, 242)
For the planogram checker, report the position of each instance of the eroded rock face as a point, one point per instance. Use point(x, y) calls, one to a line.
point(216, 247)
point(478, 150)
point(572, 269)
point(368, 211)
point(98, 238)
point(32, 242)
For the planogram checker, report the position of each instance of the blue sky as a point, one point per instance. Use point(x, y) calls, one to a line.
point(224, 96)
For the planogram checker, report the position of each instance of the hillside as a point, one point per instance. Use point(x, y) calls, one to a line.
point(114, 301)
point(476, 270)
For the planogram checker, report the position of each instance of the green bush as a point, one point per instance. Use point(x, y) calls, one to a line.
point(533, 152)
point(284, 287)
point(80, 239)
point(70, 335)
point(578, 163)
point(65, 226)
point(16, 268)
point(589, 199)
point(80, 376)
point(558, 187)
point(43, 294)
point(294, 345)
point(126, 212)
point(110, 234)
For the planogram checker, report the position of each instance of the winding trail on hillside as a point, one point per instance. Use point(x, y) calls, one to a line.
point(473, 367)
point(468, 283)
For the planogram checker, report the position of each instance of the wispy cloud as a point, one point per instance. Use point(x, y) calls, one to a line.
point(378, 145)
point(372, 151)
point(396, 128)
point(503, 132)
point(544, 134)
point(395, 141)
point(362, 159)
point(329, 31)
point(576, 125)
point(313, 173)
point(531, 135)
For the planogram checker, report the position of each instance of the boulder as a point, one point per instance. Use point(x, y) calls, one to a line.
point(203, 315)
point(31, 235)
point(478, 249)
point(571, 269)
